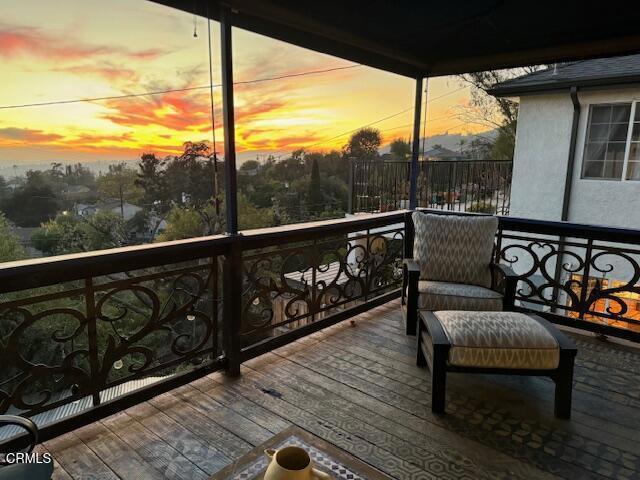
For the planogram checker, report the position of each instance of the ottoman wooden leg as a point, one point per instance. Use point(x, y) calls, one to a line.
point(564, 385)
point(439, 379)
point(421, 358)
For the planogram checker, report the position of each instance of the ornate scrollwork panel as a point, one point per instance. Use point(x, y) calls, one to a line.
point(583, 279)
point(62, 343)
point(292, 285)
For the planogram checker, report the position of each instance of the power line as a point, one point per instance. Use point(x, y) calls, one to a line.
point(173, 90)
point(358, 128)
point(216, 199)
point(424, 123)
point(432, 120)
point(382, 119)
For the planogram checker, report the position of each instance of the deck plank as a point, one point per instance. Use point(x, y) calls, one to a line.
point(78, 460)
point(155, 451)
point(198, 451)
point(115, 453)
point(208, 431)
point(237, 424)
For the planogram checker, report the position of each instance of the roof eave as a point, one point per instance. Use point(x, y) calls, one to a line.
point(565, 85)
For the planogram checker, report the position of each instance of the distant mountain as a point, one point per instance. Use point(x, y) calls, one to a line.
point(17, 169)
point(450, 141)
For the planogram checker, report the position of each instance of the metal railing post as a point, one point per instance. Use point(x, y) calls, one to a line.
point(228, 111)
point(92, 334)
point(352, 192)
point(415, 151)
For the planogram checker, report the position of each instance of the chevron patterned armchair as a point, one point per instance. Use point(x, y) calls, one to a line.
point(452, 267)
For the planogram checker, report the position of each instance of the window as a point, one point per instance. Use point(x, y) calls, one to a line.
point(612, 147)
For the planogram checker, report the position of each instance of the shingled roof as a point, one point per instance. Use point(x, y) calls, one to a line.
point(598, 73)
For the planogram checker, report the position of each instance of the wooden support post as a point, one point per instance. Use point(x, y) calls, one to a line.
point(232, 307)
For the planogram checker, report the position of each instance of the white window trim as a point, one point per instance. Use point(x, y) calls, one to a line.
point(627, 147)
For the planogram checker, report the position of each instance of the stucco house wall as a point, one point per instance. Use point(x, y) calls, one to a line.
point(539, 172)
point(604, 202)
point(540, 164)
point(540, 157)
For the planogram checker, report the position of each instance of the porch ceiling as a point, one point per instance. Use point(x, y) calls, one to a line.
point(431, 38)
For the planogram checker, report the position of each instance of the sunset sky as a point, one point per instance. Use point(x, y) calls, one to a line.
point(67, 50)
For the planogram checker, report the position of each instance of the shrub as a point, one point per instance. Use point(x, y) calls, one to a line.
point(482, 207)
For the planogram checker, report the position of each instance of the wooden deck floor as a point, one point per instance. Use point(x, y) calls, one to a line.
point(357, 387)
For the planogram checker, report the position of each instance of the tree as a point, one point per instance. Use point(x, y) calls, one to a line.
point(363, 144)
point(58, 236)
point(249, 166)
point(71, 234)
point(10, 246)
point(494, 112)
point(250, 216)
point(503, 146)
point(192, 175)
point(400, 150)
point(4, 188)
point(314, 197)
point(78, 174)
point(183, 222)
point(104, 229)
point(152, 180)
point(33, 203)
point(120, 183)
point(480, 148)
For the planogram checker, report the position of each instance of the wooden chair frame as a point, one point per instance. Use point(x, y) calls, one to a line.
point(433, 351)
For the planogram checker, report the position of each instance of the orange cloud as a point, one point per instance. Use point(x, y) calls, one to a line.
point(175, 110)
point(27, 135)
point(29, 41)
point(252, 109)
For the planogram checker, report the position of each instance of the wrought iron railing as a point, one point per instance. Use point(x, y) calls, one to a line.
point(83, 336)
point(89, 333)
point(461, 185)
point(583, 276)
point(86, 335)
point(313, 277)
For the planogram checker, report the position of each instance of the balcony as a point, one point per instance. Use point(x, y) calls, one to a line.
point(176, 359)
point(133, 385)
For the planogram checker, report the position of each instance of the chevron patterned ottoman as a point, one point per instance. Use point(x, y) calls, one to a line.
point(509, 343)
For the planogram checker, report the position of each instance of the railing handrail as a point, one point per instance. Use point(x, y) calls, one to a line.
point(41, 272)
point(470, 160)
point(558, 228)
point(303, 231)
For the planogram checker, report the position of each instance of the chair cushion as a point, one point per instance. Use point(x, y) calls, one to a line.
point(454, 248)
point(436, 296)
point(499, 340)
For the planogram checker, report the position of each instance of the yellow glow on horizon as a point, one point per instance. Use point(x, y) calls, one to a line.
point(74, 49)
